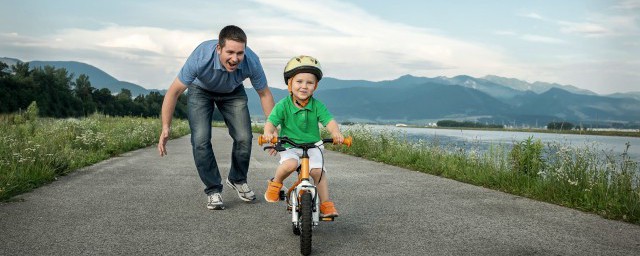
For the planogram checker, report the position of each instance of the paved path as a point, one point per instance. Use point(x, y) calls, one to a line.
point(141, 204)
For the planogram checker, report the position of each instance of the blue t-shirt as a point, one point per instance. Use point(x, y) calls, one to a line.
point(203, 68)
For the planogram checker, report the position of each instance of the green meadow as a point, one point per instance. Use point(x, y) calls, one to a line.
point(34, 151)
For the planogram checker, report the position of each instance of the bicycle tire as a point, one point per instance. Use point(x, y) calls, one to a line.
point(306, 223)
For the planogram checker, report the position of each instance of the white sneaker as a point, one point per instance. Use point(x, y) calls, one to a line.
point(215, 202)
point(244, 192)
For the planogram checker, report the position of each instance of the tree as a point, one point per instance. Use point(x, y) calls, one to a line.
point(4, 70)
point(84, 91)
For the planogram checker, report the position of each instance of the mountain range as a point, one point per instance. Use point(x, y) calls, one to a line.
point(418, 100)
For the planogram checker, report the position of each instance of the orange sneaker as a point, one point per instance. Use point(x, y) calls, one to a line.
point(273, 191)
point(327, 209)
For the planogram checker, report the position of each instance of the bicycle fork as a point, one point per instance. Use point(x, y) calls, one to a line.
point(305, 186)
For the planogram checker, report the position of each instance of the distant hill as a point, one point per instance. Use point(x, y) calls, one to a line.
point(9, 61)
point(631, 95)
point(442, 98)
point(412, 99)
point(565, 105)
point(537, 87)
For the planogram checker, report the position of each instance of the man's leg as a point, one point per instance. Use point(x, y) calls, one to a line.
point(234, 110)
point(201, 106)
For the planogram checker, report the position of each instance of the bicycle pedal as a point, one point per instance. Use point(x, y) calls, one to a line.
point(282, 195)
point(327, 218)
point(289, 208)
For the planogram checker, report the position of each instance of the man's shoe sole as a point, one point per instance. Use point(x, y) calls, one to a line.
point(216, 207)
point(240, 193)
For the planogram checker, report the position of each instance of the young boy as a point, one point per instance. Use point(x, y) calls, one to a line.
point(298, 116)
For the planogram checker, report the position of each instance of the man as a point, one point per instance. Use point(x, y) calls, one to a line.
point(213, 73)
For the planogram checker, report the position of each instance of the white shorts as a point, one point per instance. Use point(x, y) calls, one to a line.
point(315, 156)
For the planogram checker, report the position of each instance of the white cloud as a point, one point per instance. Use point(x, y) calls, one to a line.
point(585, 29)
point(542, 39)
point(505, 33)
point(533, 16)
point(352, 44)
point(627, 5)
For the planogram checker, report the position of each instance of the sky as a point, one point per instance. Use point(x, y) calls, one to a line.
point(590, 44)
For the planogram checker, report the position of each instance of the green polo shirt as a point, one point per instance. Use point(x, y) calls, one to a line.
point(300, 124)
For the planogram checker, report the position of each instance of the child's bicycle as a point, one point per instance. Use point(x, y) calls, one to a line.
point(302, 198)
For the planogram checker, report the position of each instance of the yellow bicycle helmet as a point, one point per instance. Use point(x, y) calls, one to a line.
point(302, 64)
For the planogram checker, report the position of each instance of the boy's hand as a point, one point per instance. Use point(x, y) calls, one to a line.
point(337, 138)
point(268, 137)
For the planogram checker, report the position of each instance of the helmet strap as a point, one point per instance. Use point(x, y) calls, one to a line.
point(301, 103)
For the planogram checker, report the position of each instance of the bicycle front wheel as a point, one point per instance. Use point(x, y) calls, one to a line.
point(306, 223)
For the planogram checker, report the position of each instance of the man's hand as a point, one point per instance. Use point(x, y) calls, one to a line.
point(162, 142)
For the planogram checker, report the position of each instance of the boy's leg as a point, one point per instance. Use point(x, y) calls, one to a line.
point(323, 185)
point(286, 167)
point(327, 208)
point(200, 109)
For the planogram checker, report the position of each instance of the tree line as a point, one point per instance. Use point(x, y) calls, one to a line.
point(466, 124)
point(58, 95)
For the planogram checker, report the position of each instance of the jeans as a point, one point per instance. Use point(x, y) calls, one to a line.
point(235, 112)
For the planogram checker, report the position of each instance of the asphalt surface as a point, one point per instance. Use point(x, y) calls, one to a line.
point(141, 204)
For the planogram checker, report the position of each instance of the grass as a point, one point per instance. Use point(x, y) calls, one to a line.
point(34, 151)
point(579, 178)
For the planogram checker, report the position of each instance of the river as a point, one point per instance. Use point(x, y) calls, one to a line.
point(611, 145)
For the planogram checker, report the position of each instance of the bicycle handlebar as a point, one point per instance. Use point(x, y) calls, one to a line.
point(347, 141)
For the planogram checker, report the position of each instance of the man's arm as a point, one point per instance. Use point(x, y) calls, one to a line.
point(168, 106)
point(266, 100)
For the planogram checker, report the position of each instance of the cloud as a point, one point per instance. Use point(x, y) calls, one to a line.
point(148, 56)
point(630, 5)
point(352, 44)
point(530, 37)
point(621, 22)
point(533, 16)
point(585, 29)
point(542, 39)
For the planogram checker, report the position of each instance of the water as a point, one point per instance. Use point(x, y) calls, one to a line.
point(611, 145)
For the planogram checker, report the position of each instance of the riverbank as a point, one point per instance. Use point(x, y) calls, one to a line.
point(624, 133)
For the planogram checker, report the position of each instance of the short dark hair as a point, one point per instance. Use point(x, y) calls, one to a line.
point(231, 32)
